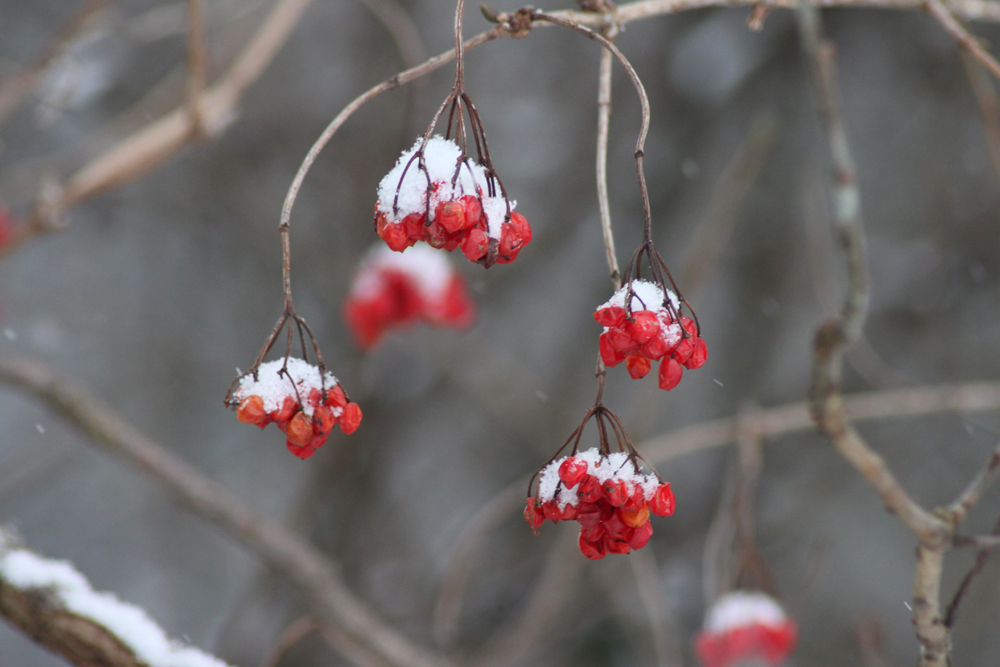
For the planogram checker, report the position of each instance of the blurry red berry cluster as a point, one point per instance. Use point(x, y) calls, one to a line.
point(394, 290)
point(743, 627)
point(651, 332)
point(302, 401)
point(606, 494)
point(434, 194)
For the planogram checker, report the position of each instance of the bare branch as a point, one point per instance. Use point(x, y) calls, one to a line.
point(603, 121)
point(958, 510)
point(989, 106)
point(965, 39)
point(139, 153)
point(311, 571)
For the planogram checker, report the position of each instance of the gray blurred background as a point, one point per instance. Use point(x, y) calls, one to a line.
point(157, 292)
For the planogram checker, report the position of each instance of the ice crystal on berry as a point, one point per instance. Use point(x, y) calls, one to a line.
point(303, 400)
point(642, 324)
point(742, 626)
point(436, 194)
point(398, 289)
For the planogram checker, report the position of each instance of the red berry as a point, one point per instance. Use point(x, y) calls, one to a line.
point(475, 244)
point(413, 225)
point(451, 216)
point(670, 373)
point(699, 355)
point(643, 326)
point(689, 325)
point(299, 430)
point(612, 316)
point(572, 470)
point(350, 418)
point(570, 512)
point(335, 397)
point(637, 366)
point(323, 422)
point(251, 411)
point(593, 534)
point(622, 341)
point(521, 226)
point(615, 492)
point(288, 409)
point(641, 535)
point(636, 499)
point(592, 550)
point(459, 309)
point(395, 237)
point(473, 211)
point(590, 489)
point(301, 452)
point(551, 511)
point(663, 501)
point(533, 515)
point(684, 350)
point(655, 348)
point(609, 354)
point(616, 546)
point(588, 517)
point(636, 518)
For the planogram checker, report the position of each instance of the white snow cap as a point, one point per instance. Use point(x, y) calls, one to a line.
point(430, 269)
point(613, 466)
point(273, 388)
point(645, 296)
point(128, 622)
point(441, 159)
point(742, 608)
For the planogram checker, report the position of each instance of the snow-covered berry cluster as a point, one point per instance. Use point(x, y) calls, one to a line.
point(650, 329)
point(607, 494)
point(305, 403)
point(398, 289)
point(439, 196)
point(742, 626)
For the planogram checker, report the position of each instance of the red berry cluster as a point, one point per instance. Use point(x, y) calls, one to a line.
point(456, 224)
point(434, 194)
point(303, 403)
point(745, 626)
point(392, 290)
point(651, 333)
point(607, 495)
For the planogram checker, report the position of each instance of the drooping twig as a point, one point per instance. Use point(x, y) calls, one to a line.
point(603, 122)
point(311, 571)
point(983, 544)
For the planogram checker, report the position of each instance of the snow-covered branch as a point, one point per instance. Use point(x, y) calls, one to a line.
point(51, 602)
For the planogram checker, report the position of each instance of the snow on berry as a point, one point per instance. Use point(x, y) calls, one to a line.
point(745, 625)
point(649, 329)
point(607, 494)
point(303, 401)
point(394, 289)
point(449, 201)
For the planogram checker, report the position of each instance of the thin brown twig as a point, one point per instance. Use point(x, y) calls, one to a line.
point(197, 62)
point(983, 545)
point(18, 86)
point(306, 567)
point(603, 123)
point(288, 638)
point(964, 38)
